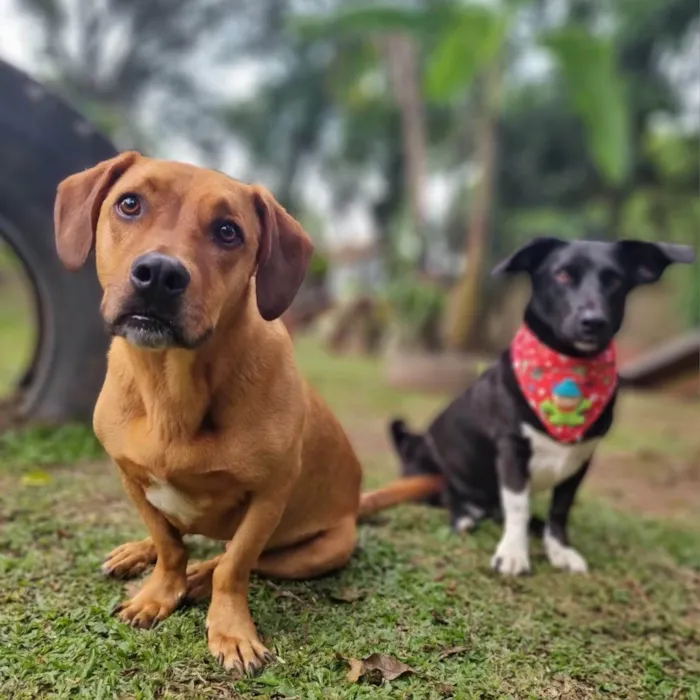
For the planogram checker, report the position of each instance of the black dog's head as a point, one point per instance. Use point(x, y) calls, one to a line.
point(579, 289)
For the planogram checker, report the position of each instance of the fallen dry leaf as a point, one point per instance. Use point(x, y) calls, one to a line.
point(36, 478)
point(356, 670)
point(377, 668)
point(347, 595)
point(388, 666)
point(446, 690)
point(280, 592)
point(438, 619)
point(451, 651)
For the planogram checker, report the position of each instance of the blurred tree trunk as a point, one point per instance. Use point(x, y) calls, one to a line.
point(464, 307)
point(404, 76)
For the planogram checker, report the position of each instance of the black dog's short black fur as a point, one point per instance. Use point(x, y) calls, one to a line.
point(488, 442)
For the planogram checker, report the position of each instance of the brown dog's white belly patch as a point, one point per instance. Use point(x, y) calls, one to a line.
point(172, 503)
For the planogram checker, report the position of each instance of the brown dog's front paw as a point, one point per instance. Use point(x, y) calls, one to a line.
point(152, 604)
point(130, 559)
point(233, 641)
point(242, 654)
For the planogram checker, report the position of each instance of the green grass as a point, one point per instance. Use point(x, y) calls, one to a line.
point(21, 450)
point(630, 629)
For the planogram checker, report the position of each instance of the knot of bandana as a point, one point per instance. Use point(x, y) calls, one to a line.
point(568, 394)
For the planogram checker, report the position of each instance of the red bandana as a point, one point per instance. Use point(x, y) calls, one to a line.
point(567, 393)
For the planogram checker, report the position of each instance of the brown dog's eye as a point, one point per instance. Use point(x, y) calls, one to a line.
point(129, 206)
point(563, 277)
point(228, 234)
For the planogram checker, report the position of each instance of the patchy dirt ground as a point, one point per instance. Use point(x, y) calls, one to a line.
point(649, 465)
point(649, 483)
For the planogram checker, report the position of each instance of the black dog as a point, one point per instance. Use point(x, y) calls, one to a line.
point(533, 420)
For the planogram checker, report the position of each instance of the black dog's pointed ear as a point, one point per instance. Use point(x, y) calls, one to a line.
point(645, 262)
point(529, 257)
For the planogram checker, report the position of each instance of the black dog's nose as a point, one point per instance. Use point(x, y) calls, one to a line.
point(593, 322)
point(159, 275)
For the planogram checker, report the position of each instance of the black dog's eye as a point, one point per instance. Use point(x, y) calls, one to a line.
point(612, 281)
point(129, 206)
point(228, 234)
point(563, 277)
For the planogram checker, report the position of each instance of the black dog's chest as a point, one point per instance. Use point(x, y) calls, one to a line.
point(553, 462)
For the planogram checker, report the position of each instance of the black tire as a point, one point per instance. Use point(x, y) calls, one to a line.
point(42, 141)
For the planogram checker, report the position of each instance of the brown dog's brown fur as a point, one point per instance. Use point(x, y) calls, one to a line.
point(222, 433)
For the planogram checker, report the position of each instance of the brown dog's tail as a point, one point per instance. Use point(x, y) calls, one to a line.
point(410, 488)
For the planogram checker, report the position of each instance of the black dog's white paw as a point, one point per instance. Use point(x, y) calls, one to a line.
point(511, 558)
point(464, 524)
point(562, 557)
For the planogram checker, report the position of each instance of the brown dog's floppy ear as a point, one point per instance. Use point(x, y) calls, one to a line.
point(284, 252)
point(529, 257)
point(645, 262)
point(77, 207)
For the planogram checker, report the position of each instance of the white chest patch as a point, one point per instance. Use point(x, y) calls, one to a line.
point(169, 501)
point(553, 462)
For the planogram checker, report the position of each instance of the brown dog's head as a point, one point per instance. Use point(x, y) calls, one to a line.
point(176, 247)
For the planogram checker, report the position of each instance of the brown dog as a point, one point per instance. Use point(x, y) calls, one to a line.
point(203, 410)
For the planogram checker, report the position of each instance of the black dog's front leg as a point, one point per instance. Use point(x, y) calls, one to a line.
point(511, 557)
point(556, 542)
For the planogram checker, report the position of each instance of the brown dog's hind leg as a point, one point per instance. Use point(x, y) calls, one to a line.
point(199, 579)
point(326, 552)
point(323, 554)
point(130, 559)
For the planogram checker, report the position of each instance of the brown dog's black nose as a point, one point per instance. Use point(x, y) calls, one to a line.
point(159, 275)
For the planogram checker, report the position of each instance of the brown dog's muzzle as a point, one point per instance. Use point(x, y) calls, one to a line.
point(152, 314)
